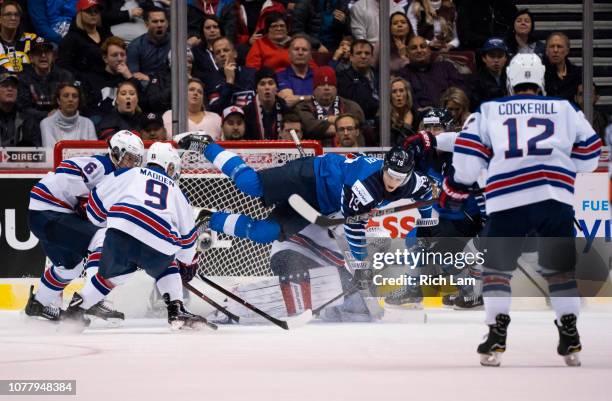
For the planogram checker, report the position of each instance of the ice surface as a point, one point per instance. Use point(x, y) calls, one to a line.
point(144, 360)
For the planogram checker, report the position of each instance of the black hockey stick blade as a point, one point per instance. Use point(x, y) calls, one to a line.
point(291, 323)
point(212, 303)
point(315, 217)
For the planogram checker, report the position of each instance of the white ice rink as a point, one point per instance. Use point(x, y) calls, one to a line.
point(329, 362)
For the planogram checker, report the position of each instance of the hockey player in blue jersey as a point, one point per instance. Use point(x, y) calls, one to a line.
point(57, 218)
point(532, 146)
point(352, 185)
point(149, 224)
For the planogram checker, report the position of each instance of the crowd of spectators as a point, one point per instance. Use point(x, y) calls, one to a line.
point(84, 69)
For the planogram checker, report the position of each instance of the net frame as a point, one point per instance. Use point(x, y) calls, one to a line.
point(206, 186)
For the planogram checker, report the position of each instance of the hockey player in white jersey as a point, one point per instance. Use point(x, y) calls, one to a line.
point(532, 147)
point(57, 218)
point(150, 224)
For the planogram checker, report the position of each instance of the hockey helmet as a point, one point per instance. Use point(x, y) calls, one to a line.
point(399, 164)
point(124, 143)
point(438, 116)
point(525, 69)
point(165, 156)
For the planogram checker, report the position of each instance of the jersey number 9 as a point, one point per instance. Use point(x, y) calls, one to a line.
point(159, 191)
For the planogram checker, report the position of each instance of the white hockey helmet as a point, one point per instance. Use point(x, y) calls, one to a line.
point(164, 155)
point(124, 143)
point(525, 69)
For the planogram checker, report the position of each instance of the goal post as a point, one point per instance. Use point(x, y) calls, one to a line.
point(207, 187)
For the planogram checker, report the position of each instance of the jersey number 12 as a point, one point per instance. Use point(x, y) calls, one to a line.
point(532, 148)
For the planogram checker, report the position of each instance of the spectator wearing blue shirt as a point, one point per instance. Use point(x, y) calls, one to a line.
point(295, 81)
point(148, 53)
point(52, 18)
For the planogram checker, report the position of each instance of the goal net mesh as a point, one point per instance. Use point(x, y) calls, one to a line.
point(206, 187)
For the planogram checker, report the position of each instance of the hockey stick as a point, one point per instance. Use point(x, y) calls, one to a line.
point(220, 308)
point(315, 217)
point(292, 323)
point(297, 142)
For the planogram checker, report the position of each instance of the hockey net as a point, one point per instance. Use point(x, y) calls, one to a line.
point(205, 186)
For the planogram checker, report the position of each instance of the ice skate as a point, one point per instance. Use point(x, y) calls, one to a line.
point(104, 310)
point(468, 302)
point(180, 318)
point(569, 340)
point(408, 297)
point(193, 141)
point(495, 344)
point(75, 315)
point(36, 309)
point(449, 299)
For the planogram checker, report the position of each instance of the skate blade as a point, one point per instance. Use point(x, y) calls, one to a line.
point(479, 307)
point(176, 325)
point(197, 326)
point(110, 323)
point(572, 359)
point(491, 359)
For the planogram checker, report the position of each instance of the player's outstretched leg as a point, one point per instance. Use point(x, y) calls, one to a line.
point(495, 344)
point(242, 226)
point(569, 340)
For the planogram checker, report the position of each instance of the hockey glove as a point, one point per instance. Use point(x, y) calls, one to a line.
point(421, 143)
point(194, 141)
point(81, 208)
point(454, 195)
point(188, 271)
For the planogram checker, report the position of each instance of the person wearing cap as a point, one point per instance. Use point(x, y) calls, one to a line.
point(319, 114)
point(264, 114)
point(233, 127)
point(153, 128)
point(360, 82)
point(489, 82)
point(16, 127)
point(51, 18)
point(148, 53)
point(428, 78)
point(228, 79)
point(14, 43)
point(66, 123)
point(79, 51)
point(39, 80)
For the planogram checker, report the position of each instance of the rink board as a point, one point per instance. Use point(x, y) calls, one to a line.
point(591, 204)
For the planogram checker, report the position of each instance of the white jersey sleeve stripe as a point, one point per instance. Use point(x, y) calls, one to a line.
point(471, 145)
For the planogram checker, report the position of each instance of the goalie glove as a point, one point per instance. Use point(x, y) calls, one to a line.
point(454, 195)
point(188, 271)
point(421, 143)
point(193, 141)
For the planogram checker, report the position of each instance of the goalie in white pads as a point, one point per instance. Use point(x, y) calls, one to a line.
point(149, 224)
point(309, 271)
point(57, 218)
point(532, 147)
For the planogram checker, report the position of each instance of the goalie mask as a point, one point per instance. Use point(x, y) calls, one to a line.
point(399, 164)
point(164, 155)
point(126, 149)
point(437, 119)
point(525, 69)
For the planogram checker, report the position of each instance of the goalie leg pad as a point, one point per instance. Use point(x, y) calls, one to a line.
point(293, 293)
